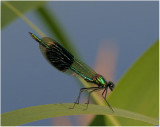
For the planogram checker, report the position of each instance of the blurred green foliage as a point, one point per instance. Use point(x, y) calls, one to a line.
point(23, 6)
point(138, 89)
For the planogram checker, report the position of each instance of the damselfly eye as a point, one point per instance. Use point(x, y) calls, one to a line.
point(111, 85)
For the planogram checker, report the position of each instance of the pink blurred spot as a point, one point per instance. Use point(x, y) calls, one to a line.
point(105, 65)
point(61, 121)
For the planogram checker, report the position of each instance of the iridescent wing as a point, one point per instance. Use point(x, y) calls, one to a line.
point(56, 54)
point(81, 69)
point(64, 61)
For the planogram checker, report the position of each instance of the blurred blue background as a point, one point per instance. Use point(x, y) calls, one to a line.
point(27, 78)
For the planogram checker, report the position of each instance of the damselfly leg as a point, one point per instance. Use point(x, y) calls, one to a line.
point(83, 90)
point(104, 97)
point(90, 95)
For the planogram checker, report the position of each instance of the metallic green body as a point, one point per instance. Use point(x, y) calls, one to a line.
point(101, 81)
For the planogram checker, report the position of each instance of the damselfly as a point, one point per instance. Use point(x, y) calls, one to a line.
point(64, 61)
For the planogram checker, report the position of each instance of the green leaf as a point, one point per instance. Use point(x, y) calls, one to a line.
point(30, 114)
point(138, 90)
point(99, 122)
point(22, 6)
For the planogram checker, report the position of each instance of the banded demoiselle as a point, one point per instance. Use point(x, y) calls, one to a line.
point(64, 61)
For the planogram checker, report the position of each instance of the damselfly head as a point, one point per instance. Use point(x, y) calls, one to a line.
point(111, 85)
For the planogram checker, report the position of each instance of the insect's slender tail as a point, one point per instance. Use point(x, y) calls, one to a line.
point(34, 37)
point(38, 40)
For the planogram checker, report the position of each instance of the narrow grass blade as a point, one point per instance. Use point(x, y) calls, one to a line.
point(30, 114)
